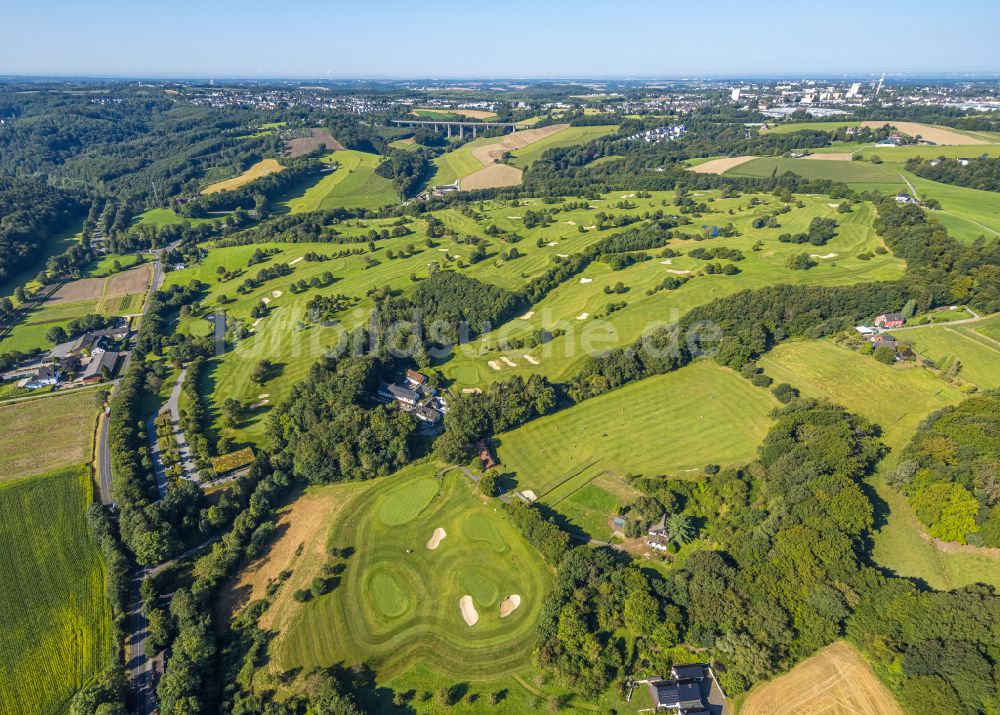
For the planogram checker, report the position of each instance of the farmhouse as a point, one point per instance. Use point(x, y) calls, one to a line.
point(890, 320)
point(45, 377)
point(880, 341)
point(100, 364)
point(681, 696)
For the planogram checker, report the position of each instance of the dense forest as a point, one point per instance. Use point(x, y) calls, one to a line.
point(31, 214)
point(950, 472)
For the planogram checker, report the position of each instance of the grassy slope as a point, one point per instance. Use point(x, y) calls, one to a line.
point(665, 424)
point(979, 355)
point(523, 158)
point(279, 338)
point(353, 185)
point(166, 217)
point(853, 172)
point(56, 622)
point(563, 356)
point(453, 165)
point(396, 608)
point(898, 399)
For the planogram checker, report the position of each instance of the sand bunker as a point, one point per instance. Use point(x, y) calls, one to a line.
point(265, 301)
point(527, 316)
point(509, 362)
point(828, 255)
point(445, 250)
point(513, 217)
point(256, 322)
point(494, 364)
point(530, 359)
point(562, 255)
point(275, 293)
point(586, 280)
point(552, 243)
point(469, 612)
point(509, 604)
point(258, 404)
point(472, 390)
point(677, 272)
point(529, 495)
point(667, 262)
point(570, 223)
point(719, 166)
point(436, 538)
point(293, 262)
point(583, 316)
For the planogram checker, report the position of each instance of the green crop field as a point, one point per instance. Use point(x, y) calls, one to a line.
point(397, 602)
point(668, 424)
point(898, 399)
point(523, 158)
point(56, 621)
point(850, 172)
point(353, 185)
point(827, 126)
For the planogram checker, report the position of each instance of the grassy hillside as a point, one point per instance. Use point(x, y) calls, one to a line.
point(353, 185)
point(849, 172)
point(55, 633)
point(978, 354)
point(668, 424)
point(260, 169)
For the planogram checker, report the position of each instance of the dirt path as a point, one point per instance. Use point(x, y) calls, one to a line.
point(975, 318)
point(833, 156)
point(720, 166)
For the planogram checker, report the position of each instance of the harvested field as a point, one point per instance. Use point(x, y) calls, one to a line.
point(720, 166)
point(832, 156)
point(938, 135)
point(260, 169)
point(470, 113)
point(318, 138)
point(299, 541)
point(492, 177)
point(834, 681)
point(490, 153)
point(130, 282)
point(76, 291)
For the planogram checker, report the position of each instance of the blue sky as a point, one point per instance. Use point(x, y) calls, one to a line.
point(508, 38)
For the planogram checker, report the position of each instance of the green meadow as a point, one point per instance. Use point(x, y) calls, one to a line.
point(354, 184)
point(977, 354)
point(668, 424)
point(848, 172)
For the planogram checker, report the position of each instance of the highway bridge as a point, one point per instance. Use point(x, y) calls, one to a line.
point(436, 124)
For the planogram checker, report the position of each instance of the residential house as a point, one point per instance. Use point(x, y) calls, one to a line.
point(675, 695)
point(880, 341)
point(657, 537)
point(403, 395)
point(100, 363)
point(890, 320)
point(416, 380)
point(427, 414)
point(46, 376)
point(688, 671)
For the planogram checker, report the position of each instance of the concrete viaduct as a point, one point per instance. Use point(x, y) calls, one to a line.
point(461, 125)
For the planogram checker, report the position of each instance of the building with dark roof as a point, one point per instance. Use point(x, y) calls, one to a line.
point(689, 671)
point(672, 694)
point(401, 394)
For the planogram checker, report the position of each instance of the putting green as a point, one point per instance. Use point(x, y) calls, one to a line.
point(404, 505)
point(397, 603)
point(479, 528)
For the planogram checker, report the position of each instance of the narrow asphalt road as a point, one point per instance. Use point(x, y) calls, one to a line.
point(975, 318)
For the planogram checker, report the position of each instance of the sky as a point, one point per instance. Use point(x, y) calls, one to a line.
point(508, 38)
